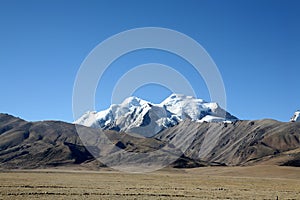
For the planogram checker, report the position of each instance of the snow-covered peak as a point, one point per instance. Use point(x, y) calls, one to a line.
point(139, 116)
point(133, 102)
point(296, 116)
point(190, 107)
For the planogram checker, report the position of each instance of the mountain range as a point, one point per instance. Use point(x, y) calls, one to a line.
point(135, 115)
point(47, 144)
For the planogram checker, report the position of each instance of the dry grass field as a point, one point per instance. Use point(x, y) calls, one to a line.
point(259, 182)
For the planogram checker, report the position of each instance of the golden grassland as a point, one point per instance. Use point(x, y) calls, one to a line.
point(258, 182)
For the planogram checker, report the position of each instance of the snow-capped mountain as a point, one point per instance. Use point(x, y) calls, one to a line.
point(296, 116)
point(135, 115)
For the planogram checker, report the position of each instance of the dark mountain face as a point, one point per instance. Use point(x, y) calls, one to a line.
point(240, 143)
point(53, 143)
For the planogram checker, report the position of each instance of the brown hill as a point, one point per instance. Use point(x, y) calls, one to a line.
point(53, 143)
point(39, 144)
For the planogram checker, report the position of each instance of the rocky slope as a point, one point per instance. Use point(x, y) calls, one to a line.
point(239, 143)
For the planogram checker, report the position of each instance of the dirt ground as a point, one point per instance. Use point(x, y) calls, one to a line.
point(259, 182)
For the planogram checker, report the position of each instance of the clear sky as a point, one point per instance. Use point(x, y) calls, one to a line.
point(255, 44)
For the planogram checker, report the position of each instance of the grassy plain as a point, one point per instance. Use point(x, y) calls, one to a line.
point(258, 182)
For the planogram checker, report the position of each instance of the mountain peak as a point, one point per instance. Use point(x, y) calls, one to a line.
point(133, 101)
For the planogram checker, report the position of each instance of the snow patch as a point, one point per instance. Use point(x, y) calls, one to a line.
point(296, 116)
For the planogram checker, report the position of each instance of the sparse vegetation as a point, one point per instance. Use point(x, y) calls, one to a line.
point(200, 183)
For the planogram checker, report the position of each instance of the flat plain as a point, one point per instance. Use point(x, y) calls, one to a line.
point(257, 182)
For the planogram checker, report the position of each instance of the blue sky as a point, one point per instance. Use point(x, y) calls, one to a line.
point(255, 44)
